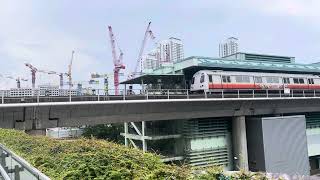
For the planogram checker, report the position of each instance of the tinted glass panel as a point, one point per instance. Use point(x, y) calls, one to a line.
point(226, 79)
point(301, 81)
point(286, 80)
point(243, 79)
point(210, 78)
point(202, 78)
point(258, 79)
point(272, 79)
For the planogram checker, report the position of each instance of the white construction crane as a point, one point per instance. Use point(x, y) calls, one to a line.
point(148, 33)
point(69, 73)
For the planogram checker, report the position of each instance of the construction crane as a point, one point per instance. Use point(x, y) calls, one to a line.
point(17, 79)
point(148, 33)
point(69, 73)
point(105, 79)
point(60, 77)
point(33, 74)
point(34, 70)
point(117, 61)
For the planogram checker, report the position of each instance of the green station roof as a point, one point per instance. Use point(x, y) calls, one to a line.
point(254, 65)
point(190, 65)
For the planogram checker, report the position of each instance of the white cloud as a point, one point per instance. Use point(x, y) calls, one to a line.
point(23, 40)
point(298, 8)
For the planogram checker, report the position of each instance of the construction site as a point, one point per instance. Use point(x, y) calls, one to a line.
point(164, 73)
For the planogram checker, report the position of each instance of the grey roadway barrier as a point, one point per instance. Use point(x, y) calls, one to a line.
point(13, 167)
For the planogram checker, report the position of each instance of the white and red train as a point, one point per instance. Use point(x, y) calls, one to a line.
point(210, 80)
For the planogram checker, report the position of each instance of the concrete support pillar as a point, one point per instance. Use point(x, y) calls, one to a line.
point(144, 143)
point(239, 138)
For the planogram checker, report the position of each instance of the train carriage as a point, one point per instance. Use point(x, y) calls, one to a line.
point(207, 80)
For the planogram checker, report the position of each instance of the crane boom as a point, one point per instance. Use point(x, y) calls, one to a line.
point(113, 46)
point(147, 33)
point(116, 61)
point(69, 74)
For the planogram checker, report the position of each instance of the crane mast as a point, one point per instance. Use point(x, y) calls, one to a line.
point(117, 61)
point(69, 74)
point(33, 74)
point(17, 79)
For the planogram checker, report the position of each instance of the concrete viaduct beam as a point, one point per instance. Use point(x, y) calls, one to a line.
point(59, 114)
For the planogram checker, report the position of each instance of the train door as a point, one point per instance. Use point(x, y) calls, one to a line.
point(203, 81)
point(196, 81)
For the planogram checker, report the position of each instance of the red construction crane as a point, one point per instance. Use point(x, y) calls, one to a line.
point(117, 61)
point(69, 73)
point(148, 33)
point(33, 74)
point(34, 70)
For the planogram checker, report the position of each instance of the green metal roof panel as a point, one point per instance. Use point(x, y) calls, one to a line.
point(257, 65)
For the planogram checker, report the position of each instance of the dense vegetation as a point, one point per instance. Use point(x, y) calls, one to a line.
point(98, 159)
point(110, 132)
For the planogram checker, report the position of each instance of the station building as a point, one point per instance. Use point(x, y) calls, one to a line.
point(211, 141)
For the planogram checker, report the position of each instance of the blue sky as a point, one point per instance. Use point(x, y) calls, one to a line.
point(45, 32)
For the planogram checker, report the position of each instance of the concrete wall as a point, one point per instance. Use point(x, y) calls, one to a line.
point(284, 144)
point(255, 145)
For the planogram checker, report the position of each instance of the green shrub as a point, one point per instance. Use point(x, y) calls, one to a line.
point(88, 158)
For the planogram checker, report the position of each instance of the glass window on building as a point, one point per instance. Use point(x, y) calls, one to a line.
point(258, 79)
point(295, 80)
point(192, 81)
point(286, 80)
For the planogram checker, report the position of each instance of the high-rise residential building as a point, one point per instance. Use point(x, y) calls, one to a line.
point(151, 60)
point(171, 50)
point(229, 47)
point(167, 51)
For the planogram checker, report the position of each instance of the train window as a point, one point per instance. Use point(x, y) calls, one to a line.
point(226, 79)
point(298, 80)
point(301, 81)
point(192, 81)
point(202, 78)
point(272, 79)
point(286, 80)
point(310, 81)
point(258, 79)
point(243, 79)
point(210, 78)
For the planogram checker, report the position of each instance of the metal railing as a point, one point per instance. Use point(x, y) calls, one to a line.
point(137, 94)
point(13, 167)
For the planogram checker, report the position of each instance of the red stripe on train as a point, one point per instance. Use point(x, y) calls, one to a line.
point(257, 86)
